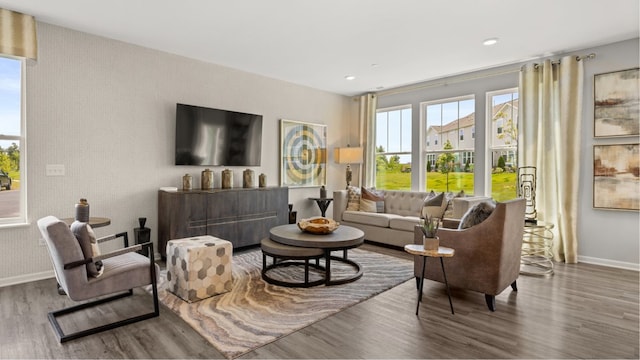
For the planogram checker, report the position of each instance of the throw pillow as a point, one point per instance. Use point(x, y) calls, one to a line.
point(89, 245)
point(353, 198)
point(433, 205)
point(477, 214)
point(448, 212)
point(371, 201)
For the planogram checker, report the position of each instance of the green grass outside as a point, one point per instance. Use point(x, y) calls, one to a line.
point(503, 185)
point(15, 179)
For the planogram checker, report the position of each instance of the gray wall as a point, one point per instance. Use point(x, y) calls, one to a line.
point(605, 236)
point(106, 110)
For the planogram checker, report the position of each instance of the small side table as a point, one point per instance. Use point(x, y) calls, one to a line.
point(537, 258)
point(323, 204)
point(442, 252)
point(94, 222)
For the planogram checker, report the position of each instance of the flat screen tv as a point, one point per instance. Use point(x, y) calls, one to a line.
point(214, 137)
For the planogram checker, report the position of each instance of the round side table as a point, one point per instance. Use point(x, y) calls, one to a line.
point(537, 258)
point(442, 252)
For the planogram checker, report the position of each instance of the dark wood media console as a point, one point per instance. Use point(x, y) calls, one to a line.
point(242, 216)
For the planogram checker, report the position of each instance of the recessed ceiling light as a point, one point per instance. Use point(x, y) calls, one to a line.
point(350, 77)
point(490, 41)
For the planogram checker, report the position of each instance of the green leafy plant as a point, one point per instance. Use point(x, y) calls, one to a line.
point(429, 226)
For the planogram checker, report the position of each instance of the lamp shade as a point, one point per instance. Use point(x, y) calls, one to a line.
point(348, 155)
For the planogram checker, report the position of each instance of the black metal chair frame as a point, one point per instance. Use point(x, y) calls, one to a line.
point(62, 337)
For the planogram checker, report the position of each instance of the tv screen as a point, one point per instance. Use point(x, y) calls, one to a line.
point(214, 137)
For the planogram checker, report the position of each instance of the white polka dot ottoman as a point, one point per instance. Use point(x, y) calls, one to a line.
point(199, 267)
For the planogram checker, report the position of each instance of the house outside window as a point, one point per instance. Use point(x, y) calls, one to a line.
point(393, 148)
point(446, 120)
point(502, 141)
point(12, 142)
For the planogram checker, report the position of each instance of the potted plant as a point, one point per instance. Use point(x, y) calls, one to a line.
point(429, 226)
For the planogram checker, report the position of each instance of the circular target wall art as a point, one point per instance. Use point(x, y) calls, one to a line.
point(303, 153)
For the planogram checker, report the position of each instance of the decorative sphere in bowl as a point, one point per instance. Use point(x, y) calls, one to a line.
point(318, 225)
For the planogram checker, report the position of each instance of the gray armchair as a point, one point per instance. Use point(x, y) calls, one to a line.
point(487, 255)
point(124, 269)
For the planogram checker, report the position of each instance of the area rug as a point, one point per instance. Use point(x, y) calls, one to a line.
point(256, 313)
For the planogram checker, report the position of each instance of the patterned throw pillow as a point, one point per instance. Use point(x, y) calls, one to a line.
point(371, 201)
point(477, 214)
point(433, 205)
point(448, 212)
point(353, 198)
point(89, 245)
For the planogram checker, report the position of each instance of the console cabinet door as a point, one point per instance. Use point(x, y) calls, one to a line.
point(222, 213)
point(180, 215)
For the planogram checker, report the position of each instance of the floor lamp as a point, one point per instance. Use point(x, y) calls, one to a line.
point(348, 155)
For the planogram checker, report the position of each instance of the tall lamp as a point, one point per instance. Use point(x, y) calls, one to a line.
point(348, 155)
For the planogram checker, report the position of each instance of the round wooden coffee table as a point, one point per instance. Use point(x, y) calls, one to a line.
point(343, 238)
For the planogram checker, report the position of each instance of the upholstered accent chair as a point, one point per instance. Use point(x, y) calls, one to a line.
point(487, 255)
point(122, 271)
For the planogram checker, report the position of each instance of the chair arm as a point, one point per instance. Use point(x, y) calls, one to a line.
point(124, 235)
point(108, 255)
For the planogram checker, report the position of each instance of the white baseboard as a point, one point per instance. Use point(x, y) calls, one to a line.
point(21, 279)
point(609, 263)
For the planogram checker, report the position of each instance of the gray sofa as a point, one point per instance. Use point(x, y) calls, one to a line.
point(401, 213)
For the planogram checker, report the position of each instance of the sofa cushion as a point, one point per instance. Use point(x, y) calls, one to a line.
point(367, 218)
point(89, 245)
point(477, 214)
point(406, 223)
point(371, 201)
point(434, 205)
point(353, 198)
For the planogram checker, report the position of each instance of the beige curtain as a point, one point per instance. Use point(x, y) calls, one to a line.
point(549, 139)
point(368, 104)
point(18, 34)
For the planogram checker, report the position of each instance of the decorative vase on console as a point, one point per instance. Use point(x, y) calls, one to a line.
point(429, 228)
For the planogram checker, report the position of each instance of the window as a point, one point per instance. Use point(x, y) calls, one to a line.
point(450, 164)
point(502, 141)
point(12, 181)
point(393, 148)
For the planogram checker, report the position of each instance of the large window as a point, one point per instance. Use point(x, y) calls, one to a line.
point(502, 140)
point(12, 182)
point(448, 152)
point(393, 148)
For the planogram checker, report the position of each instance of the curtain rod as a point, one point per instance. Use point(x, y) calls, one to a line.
point(463, 78)
point(578, 58)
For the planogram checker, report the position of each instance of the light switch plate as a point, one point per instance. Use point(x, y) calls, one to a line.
point(55, 169)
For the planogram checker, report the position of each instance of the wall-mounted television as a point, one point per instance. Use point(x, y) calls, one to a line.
point(215, 137)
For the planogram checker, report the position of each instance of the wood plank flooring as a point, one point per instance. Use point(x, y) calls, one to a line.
point(583, 311)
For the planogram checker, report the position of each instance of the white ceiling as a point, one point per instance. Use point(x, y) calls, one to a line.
point(383, 43)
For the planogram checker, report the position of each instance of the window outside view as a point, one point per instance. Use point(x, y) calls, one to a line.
point(449, 145)
point(10, 136)
point(393, 149)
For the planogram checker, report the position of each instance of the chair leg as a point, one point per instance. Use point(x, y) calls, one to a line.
point(62, 337)
point(491, 301)
point(514, 286)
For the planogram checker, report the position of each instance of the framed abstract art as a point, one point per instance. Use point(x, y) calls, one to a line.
point(303, 154)
point(616, 177)
point(616, 104)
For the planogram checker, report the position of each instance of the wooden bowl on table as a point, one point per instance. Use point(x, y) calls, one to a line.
point(318, 225)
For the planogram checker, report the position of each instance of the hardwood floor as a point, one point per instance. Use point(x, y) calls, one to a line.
point(583, 311)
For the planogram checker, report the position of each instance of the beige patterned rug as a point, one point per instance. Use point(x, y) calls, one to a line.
point(256, 313)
